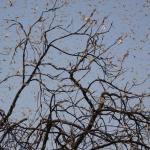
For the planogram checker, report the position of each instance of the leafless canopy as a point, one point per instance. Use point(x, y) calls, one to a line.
point(78, 101)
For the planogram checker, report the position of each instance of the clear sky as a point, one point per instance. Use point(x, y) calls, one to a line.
point(131, 17)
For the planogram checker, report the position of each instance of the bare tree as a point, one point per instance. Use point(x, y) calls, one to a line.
point(78, 101)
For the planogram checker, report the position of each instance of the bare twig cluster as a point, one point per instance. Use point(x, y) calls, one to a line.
point(79, 104)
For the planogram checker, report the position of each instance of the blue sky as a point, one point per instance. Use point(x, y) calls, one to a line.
point(128, 17)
